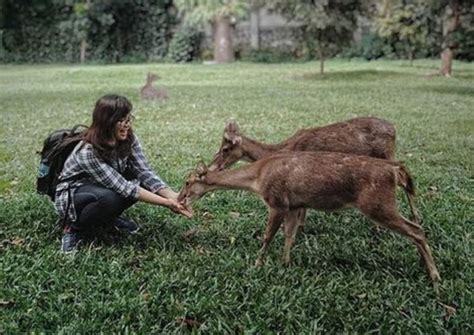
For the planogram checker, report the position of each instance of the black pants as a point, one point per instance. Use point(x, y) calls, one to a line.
point(97, 206)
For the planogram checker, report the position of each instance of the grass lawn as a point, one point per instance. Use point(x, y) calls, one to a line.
point(342, 277)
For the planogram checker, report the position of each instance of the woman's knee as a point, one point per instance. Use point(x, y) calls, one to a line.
point(105, 199)
point(109, 199)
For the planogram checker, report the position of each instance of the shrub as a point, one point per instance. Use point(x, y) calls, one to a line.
point(184, 47)
point(267, 55)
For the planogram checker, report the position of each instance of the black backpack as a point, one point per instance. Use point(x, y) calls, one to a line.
point(56, 148)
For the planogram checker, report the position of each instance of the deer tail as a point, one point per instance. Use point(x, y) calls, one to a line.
point(405, 181)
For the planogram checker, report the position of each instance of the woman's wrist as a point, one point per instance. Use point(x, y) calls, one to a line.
point(168, 193)
point(166, 202)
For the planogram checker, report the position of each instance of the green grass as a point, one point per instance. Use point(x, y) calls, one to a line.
point(342, 277)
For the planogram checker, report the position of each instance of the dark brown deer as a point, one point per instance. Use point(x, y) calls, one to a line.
point(368, 136)
point(150, 92)
point(290, 181)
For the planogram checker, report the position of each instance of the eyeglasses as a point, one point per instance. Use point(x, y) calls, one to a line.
point(128, 120)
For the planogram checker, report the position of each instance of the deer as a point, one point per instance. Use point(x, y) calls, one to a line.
point(369, 136)
point(150, 92)
point(290, 181)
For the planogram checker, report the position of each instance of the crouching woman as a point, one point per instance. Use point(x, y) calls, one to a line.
point(107, 173)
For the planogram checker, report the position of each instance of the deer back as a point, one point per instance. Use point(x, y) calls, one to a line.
point(367, 136)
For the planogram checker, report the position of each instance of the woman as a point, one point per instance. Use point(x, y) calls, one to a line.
point(106, 173)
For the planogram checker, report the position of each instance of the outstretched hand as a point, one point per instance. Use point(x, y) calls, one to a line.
point(179, 208)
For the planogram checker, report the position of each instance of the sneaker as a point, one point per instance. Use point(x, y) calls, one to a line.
point(125, 225)
point(69, 242)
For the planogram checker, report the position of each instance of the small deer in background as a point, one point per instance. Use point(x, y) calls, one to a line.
point(290, 181)
point(150, 92)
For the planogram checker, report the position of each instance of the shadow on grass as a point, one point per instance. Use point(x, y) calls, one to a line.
point(450, 90)
point(464, 75)
point(364, 75)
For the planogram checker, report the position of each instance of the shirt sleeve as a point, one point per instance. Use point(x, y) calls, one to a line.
point(140, 168)
point(104, 174)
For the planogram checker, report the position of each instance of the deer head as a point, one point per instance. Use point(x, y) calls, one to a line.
point(230, 150)
point(151, 77)
point(195, 186)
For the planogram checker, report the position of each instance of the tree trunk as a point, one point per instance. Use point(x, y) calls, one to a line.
point(450, 24)
point(446, 62)
point(83, 47)
point(255, 28)
point(321, 60)
point(223, 49)
point(83, 50)
point(411, 56)
point(2, 25)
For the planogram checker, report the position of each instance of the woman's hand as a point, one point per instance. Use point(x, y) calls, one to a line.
point(179, 208)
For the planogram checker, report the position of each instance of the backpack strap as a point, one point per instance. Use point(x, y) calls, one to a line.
point(77, 126)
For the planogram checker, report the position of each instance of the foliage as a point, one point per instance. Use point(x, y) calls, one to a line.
point(409, 23)
point(329, 23)
point(267, 55)
point(184, 46)
point(371, 47)
point(465, 41)
point(221, 14)
point(51, 30)
point(201, 12)
point(343, 278)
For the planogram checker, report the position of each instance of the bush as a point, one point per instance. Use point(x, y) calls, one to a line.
point(184, 47)
point(50, 31)
point(267, 55)
point(465, 43)
point(371, 46)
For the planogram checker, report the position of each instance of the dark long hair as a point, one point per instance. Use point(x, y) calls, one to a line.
point(109, 110)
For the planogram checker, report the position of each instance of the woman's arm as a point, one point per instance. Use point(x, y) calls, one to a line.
point(152, 198)
point(168, 193)
point(140, 168)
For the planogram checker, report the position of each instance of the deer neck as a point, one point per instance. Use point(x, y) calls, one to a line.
point(244, 178)
point(254, 150)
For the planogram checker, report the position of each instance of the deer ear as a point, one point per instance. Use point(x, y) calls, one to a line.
point(232, 133)
point(236, 140)
point(201, 169)
point(232, 127)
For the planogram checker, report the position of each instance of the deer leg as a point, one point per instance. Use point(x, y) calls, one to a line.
point(414, 212)
point(301, 218)
point(275, 218)
point(391, 219)
point(301, 215)
point(293, 221)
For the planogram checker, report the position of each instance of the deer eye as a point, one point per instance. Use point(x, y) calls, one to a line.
point(225, 150)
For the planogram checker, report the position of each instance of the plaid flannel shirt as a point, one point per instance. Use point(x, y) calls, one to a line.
point(110, 175)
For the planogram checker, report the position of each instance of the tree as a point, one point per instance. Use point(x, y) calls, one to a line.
point(222, 14)
point(2, 26)
point(82, 25)
point(330, 23)
point(78, 23)
point(407, 23)
point(455, 15)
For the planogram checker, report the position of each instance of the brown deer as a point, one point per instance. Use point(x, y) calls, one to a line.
point(150, 92)
point(290, 181)
point(369, 136)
